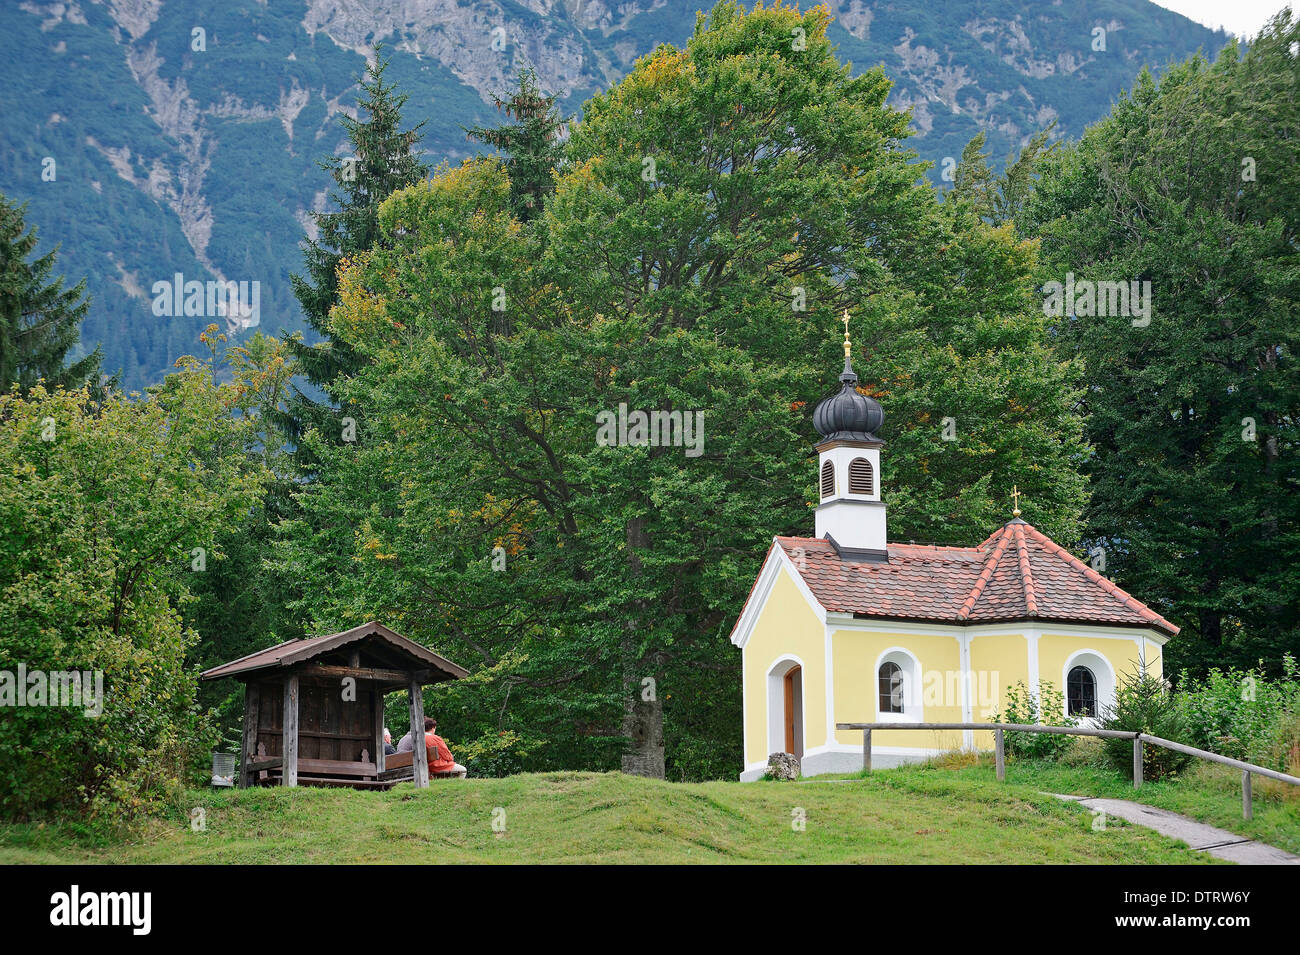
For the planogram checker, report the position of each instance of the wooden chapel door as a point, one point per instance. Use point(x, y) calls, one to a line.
point(794, 711)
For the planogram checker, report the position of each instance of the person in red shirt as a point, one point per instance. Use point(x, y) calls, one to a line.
point(440, 758)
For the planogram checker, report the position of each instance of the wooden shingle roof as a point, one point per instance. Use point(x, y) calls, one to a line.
point(293, 652)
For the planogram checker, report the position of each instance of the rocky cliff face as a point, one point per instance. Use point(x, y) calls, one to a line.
point(186, 135)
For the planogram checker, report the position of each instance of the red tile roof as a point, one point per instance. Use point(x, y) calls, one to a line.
point(1017, 574)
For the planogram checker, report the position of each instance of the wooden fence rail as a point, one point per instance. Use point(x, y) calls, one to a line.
point(1000, 730)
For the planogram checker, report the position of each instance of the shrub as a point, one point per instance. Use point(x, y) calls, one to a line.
point(1244, 714)
point(105, 506)
point(1022, 706)
point(1144, 704)
point(498, 753)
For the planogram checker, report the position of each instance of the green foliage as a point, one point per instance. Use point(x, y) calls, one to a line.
point(385, 158)
point(39, 318)
point(110, 510)
point(1193, 416)
point(531, 140)
point(1245, 715)
point(773, 169)
point(1025, 707)
point(494, 754)
point(238, 606)
point(999, 199)
point(1144, 704)
point(80, 99)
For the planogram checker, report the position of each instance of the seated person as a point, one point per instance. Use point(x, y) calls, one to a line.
point(406, 744)
point(389, 748)
point(440, 759)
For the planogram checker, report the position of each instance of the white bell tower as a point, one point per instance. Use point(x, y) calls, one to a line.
point(851, 512)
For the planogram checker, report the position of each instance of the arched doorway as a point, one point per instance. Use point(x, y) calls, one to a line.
point(785, 707)
point(793, 715)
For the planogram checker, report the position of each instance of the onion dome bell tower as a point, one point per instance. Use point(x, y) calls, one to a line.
point(850, 513)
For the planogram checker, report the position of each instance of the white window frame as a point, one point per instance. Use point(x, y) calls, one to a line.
point(1102, 671)
point(913, 711)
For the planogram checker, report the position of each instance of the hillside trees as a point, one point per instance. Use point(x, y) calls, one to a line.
point(238, 606)
point(385, 158)
point(110, 512)
point(39, 318)
point(1192, 184)
point(716, 212)
point(531, 140)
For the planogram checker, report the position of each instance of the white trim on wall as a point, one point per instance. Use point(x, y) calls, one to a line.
point(772, 565)
point(843, 621)
point(1032, 637)
point(744, 703)
point(776, 716)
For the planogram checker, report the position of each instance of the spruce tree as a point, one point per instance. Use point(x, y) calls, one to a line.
point(385, 158)
point(39, 318)
point(1185, 196)
point(531, 141)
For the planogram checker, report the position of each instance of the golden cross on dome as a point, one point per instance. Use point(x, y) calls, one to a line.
point(1015, 501)
point(846, 333)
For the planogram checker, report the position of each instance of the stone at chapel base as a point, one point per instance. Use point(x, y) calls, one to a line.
point(783, 766)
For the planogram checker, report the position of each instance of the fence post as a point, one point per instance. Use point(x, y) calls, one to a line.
point(1247, 808)
point(1000, 753)
point(1137, 761)
point(866, 751)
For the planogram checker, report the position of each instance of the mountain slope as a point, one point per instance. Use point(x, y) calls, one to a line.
point(156, 138)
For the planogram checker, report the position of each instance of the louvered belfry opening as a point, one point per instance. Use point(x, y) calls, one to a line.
point(828, 480)
point(861, 479)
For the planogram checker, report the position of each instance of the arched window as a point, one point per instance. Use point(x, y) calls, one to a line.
point(891, 688)
point(860, 477)
point(828, 479)
point(1081, 692)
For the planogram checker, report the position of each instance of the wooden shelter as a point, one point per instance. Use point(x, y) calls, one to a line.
point(314, 708)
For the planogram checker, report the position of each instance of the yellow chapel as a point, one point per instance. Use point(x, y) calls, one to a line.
point(847, 626)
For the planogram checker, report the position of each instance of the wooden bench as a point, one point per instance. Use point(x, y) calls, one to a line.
point(363, 774)
point(398, 768)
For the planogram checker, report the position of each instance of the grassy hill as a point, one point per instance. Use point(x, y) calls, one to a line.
point(913, 815)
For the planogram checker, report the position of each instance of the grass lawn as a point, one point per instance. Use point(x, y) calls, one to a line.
point(934, 814)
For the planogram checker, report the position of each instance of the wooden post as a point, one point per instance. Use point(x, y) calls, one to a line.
point(419, 759)
point(866, 751)
point(1247, 808)
point(289, 746)
point(1137, 761)
point(378, 710)
point(1000, 753)
point(252, 704)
